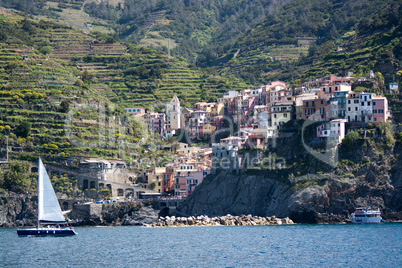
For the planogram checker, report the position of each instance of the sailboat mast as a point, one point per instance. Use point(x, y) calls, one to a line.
point(38, 188)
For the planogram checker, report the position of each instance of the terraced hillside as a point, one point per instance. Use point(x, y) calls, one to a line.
point(71, 88)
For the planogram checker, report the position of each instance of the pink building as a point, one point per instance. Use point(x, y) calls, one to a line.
point(247, 108)
point(380, 109)
point(218, 122)
point(333, 80)
point(156, 122)
point(196, 179)
point(184, 171)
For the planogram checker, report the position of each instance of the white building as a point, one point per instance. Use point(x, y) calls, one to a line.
point(333, 131)
point(366, 106)
point(224, 156)
point(352, 112)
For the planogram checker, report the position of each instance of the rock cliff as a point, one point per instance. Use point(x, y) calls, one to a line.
point(330, 198)
point(11, 207)
point(369, 173)
point(138, 212)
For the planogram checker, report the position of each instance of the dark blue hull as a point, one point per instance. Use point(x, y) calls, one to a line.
point(45, 232)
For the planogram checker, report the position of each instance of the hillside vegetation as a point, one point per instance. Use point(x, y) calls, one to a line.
point(253, 40)
point(63, 91)
point(341, 36)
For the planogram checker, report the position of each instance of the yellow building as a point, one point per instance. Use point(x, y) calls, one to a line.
point(208, 129)
point(217, 109)
point(155, 178)
point(281, 113)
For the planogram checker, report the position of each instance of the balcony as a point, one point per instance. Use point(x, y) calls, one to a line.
point(365, 112)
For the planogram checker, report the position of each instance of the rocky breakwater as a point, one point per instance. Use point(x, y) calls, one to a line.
point(227, 220)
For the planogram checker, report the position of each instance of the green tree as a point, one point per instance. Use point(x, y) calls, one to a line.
point(152, 185)
point(351, 138)
point(16, 178)
point(23, 129)
point(64, 106)
point(46, 50)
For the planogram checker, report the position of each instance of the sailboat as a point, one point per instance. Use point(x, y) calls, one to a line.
point(49, 211)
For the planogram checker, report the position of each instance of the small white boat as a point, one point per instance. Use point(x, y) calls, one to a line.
point(366, 215)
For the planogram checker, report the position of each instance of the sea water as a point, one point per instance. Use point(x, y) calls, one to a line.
point(322, 245)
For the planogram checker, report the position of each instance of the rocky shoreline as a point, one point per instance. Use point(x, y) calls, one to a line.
point(227, 220)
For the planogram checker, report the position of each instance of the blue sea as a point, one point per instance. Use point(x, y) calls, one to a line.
point(321, 245)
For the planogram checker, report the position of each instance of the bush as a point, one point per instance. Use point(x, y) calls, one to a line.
point(351, 139)
point(152, 185)
point(23, 129)
point(105, 193)
point(16, 178)
point(46, 50)
point(64, 106)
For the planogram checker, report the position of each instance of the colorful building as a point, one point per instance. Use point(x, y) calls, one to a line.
point(333, 131)
point(156, 122)
point(352, 112)
point(380, 109)
point(281, 113)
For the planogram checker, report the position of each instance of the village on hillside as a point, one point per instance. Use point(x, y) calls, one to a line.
point(230, 134)
point(257, 115)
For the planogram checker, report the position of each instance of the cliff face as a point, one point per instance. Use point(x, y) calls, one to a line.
point(236, 195)
point(368, 174)
point(11, 207)
point(331, 199)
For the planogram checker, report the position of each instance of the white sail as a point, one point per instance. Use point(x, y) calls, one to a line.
point(48, 207)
